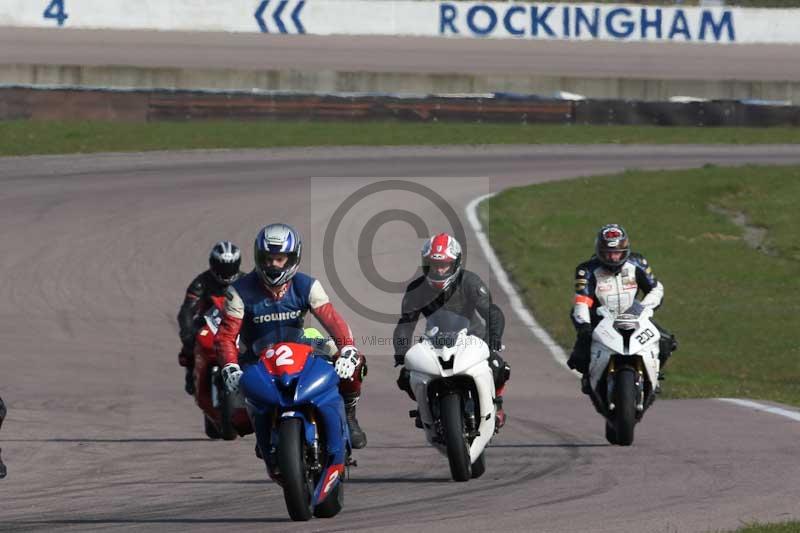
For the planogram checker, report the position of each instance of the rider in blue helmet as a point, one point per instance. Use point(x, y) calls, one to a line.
point(273, 300)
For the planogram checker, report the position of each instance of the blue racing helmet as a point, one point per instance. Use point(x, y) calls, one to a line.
point(272, 240)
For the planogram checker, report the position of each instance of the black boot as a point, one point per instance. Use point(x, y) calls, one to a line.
point(2, 417)
point(586, 385)
point(358, 439)
point(188, 384)
point(2, 412)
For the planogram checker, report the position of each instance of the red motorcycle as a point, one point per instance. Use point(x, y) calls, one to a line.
point(224, 415)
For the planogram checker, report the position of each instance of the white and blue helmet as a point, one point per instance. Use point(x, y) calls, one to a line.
point(274, 239)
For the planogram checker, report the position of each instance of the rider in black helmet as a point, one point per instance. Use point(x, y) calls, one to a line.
point(224, 264)
point(613, 277)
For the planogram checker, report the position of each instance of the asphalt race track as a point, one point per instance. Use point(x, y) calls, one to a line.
point(100, 435)
point(667, 61)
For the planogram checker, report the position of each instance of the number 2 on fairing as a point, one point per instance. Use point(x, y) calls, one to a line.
point(284, 354)
point(645, 336)
point(55, 10)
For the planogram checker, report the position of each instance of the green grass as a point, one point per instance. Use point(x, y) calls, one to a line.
point(784, 527)
point(35, 137)
point(733, 309)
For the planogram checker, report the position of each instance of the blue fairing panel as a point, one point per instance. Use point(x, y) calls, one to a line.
point(258, 386)
point(316, 381)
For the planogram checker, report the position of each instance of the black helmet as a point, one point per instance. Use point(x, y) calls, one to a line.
point(612, 239)
point(224, 262)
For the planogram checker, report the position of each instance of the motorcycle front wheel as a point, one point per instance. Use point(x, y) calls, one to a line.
point(452, 414)
point(297, 487)
point(625, 393)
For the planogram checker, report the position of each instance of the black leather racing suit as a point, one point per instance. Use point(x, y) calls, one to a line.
point(196, 302)
point(469, 297)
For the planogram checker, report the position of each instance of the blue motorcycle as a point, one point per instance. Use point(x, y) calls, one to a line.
point(292, 397)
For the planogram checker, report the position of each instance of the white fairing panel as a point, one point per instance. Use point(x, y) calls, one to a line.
point(471, 352)
point(471, 359)
point(484, 382)
point(643, 342)
point(422, 358)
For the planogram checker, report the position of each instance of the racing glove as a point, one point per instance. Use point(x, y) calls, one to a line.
point(231, 374)
point(347, 362)
point(495, 344)
point(185, 358)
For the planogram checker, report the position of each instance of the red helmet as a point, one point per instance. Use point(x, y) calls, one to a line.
point(612, 239)
point(441, 260)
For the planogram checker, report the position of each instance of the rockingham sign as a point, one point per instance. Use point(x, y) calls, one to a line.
point(451, 19)
point(566, 21)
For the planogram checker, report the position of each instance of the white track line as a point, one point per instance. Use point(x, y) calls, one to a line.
point(516, 302)
point(794, 415)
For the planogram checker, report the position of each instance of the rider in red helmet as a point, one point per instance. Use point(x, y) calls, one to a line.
point(446, 284)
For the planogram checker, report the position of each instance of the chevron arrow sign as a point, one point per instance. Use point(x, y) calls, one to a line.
point(280, 16)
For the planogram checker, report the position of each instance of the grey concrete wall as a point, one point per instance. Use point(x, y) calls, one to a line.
point(332, 81)
point(153, 105)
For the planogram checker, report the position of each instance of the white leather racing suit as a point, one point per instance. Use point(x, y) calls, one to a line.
point(596, 285)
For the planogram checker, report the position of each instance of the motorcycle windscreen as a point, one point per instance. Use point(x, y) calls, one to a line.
point(287, 334)
point(443, 326)
point(635, 309)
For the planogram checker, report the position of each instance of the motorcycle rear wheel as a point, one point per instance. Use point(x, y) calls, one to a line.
point(611, 434)
point(212, 431)
point(226, 408)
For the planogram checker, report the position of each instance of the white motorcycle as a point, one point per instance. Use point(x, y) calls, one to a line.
point(623, 371)
point(454, 387)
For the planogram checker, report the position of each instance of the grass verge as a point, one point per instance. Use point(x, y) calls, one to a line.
point(35, 137)
point(784, 527)
point(733, 307)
